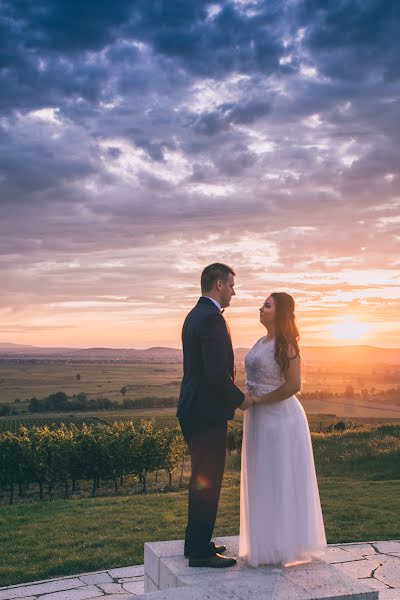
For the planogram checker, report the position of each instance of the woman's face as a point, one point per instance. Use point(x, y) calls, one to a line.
point(267, 311)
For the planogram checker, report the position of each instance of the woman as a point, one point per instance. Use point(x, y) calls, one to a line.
point(280, 512)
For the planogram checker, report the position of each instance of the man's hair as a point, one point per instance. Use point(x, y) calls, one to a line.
point(214, 272)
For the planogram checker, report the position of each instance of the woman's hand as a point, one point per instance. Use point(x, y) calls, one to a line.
point(247, 402)
point(253, 399)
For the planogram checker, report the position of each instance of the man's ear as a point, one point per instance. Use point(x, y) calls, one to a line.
point(218, 284)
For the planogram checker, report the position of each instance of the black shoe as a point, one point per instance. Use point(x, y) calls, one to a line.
point(215, 549)
point(215, 562)
point(218, 549)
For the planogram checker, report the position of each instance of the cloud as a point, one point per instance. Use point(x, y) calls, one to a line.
point(142, 140)
point(354, 40)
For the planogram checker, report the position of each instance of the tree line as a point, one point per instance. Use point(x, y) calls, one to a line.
point(60, 402)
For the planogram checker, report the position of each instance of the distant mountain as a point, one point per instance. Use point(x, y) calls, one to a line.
point(148, 355)
point(10, 348)
point(332, 355)
point(155, 354)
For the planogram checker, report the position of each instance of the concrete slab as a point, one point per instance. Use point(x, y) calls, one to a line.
point(166, 568)
point(389, 595)
point(265, 587)
point(40, 588)
point(119, 572)
point(117, 597)
point(96, 578)
point(322, 580)
point(112, 588)
point(84, 593)
point(359, 569)
point(149, 585)
point(27, 598)
point(187, 593)
point(389, 573)
point(134, 587)
point(387, 547)
point(338, 555)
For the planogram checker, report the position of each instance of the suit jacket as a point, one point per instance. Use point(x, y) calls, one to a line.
point(208, 392)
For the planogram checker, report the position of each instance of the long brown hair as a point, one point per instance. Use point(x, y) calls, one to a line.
point(286, 332)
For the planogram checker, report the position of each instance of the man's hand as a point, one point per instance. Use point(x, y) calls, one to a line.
point(247, 402)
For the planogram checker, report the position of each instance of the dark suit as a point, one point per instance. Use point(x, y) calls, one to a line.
point(207, 400)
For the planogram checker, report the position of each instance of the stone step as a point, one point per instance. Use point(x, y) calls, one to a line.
point(168, 577)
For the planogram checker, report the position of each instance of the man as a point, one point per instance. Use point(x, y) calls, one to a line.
point(207, 400)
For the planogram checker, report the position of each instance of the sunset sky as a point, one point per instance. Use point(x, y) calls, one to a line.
point(141, 141)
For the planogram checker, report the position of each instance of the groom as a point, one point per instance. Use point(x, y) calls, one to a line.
point(207, 400)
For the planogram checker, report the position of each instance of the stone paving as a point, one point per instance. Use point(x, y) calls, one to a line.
point(377, 564)
point(115, 584)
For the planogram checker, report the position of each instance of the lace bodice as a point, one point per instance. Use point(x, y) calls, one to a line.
point(263, 373)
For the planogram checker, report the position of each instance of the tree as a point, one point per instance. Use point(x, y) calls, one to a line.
point(349, 391)
point(57, 400)
point(14, 459)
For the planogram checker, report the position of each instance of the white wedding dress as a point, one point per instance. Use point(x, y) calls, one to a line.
point(280, 511)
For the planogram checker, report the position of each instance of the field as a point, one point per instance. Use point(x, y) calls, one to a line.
point(19, 381)
point(22, 380)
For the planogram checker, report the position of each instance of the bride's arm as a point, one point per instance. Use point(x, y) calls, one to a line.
point(291, 386)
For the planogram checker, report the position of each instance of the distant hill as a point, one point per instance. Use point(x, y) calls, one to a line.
point(148, 355)
point(10, 348)
point(155, 354)
point(332, 355)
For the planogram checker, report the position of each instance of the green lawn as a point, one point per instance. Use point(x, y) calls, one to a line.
point(359, 480)
point(50, 539)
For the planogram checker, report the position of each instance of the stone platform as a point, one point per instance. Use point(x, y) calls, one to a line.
point(374, 564)
point(167, 576)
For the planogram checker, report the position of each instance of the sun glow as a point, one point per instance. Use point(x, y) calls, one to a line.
point(348, 330)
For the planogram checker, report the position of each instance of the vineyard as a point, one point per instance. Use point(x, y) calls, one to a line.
point(46, 458)
point(13, 424)
point(54, 457)
point(57, 458)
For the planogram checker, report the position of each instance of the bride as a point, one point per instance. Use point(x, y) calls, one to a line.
point(280, 511)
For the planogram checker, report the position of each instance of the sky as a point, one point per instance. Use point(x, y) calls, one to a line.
point(142, 140)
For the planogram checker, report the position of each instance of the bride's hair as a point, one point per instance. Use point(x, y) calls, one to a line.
point(286, 332)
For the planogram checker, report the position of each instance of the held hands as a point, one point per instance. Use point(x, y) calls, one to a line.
point(247, 402)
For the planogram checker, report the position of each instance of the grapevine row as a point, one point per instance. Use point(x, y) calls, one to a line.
point(49, 456)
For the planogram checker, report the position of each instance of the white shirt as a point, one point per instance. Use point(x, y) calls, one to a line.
point(217, 304)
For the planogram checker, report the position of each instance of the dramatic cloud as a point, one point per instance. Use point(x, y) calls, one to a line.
point(141, 140)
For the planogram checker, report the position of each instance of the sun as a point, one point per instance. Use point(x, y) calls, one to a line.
point(348, 330)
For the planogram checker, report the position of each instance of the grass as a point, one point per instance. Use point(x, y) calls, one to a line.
point(359, 482)
point(51, 539)
point(368, 452)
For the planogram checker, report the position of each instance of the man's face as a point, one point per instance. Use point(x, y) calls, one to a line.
point(227, 290)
